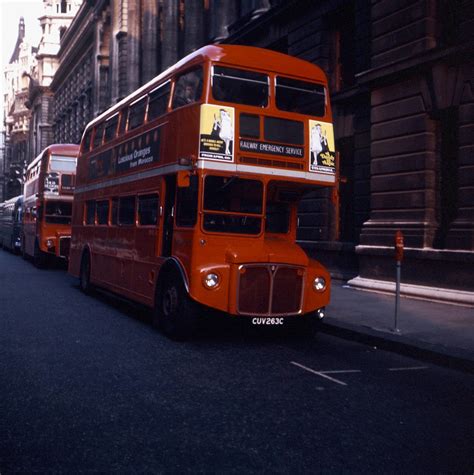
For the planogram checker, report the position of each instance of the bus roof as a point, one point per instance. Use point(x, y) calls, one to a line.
point(247, 56)
point(68, 149)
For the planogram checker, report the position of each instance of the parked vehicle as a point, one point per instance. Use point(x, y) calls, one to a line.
point(11, 223)
point(187, 190)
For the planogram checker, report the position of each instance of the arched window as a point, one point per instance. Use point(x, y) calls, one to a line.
point(63, 6)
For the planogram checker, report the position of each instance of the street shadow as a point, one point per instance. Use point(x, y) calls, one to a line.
point(217, 327)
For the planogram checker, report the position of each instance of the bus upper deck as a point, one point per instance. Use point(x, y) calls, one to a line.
point(248, 111)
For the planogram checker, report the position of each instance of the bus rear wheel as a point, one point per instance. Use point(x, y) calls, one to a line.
point(85, 274)
point(175, 313)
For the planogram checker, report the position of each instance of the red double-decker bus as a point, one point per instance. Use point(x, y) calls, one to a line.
point(187, 190)
point(47, 207)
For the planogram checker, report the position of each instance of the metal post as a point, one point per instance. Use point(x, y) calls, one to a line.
point(397, 295)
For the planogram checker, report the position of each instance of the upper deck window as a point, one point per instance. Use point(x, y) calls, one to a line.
point(188, 88)
point(86, 141)
point(240, 86)
point(158, 102)
point(60, 163)
point(136, 113)
point(123, 120)
point(111, 128)
point(99, 132)
point(302, 97)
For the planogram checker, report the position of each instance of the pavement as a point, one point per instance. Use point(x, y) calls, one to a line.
point(442, 333)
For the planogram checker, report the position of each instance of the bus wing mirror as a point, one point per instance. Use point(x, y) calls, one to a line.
point(184, 179)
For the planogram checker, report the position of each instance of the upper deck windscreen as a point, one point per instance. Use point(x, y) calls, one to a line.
point(62, 163)
point(240, 86)
point(300, 96)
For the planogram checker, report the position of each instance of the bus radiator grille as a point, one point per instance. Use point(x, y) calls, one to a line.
point(64, 244)
point(270, 290)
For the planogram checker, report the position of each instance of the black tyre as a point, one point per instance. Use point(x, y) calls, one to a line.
point(175, 313)
point(39, 257)
point(85, 274)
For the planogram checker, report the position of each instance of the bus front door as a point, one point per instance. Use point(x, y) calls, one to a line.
point(168, 215)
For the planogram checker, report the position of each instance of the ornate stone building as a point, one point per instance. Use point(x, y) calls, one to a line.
point(57, 16)
point(401, 77)
point(17, 115)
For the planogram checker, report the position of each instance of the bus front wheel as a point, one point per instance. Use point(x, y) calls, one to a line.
point(175, 314)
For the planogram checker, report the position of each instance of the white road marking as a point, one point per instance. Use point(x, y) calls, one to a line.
point(413, 368)
point(342, 371)
point(319, 373)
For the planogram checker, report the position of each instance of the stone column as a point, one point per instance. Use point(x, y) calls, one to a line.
point(222, 15)
point(193, 25)
point(169, 45)
point(133, 40)
point(149, 40)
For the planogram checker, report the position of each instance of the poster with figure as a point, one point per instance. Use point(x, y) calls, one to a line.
point(216, 136)
point(322, 156)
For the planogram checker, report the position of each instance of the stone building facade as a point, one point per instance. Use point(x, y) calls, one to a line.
point(17, 115)
point(401, 80)
point(57, 15)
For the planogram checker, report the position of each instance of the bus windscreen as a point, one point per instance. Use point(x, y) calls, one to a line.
point(241, 197)
point(58, 212)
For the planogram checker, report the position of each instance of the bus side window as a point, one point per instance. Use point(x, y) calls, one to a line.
point(111, 128)
point(158, 102)
point(99, 132)
point(186, 203)
point(90, 212)
point(114, 213)
point(148, 210)
point(123, 121)
point(86, 143)
point(126, 211)
point(188, 88)
point(103, 212)
point(136, 113)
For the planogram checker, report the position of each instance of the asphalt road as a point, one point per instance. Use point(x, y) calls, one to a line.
point(87, 385)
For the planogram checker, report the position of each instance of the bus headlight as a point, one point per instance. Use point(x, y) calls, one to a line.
point(319, 284)
point(49, 243)
point(211, 280)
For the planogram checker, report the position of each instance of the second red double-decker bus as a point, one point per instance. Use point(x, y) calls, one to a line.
point(47, 207)
point(187, 190)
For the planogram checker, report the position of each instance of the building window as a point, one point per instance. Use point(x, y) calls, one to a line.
point(447, 174)
point(449, 18)
point(341, 49)
point(63, 6)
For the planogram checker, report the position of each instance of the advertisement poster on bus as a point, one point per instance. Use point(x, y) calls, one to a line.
point(321, 147)
point(216, 136)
